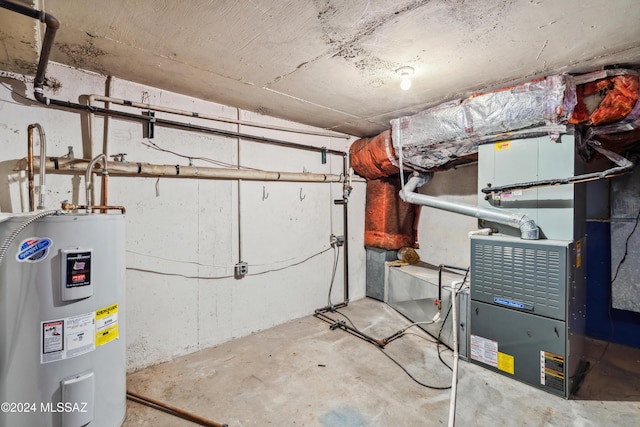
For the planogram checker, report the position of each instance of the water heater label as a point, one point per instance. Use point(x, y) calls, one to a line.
point(34, 249)
point(106, 324)
point(66, 338)
point(78, 266)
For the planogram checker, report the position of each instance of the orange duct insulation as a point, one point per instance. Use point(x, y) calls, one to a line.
point(606, 100)
point(389, 223)
point(375, 157)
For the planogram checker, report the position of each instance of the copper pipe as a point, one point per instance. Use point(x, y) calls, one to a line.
point(105, 191)
point(30, 166)
point(178, 412)
point(32, 191)
point(104, 208)
point(66, 206)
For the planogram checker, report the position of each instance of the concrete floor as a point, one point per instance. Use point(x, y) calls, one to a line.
point(303, 374)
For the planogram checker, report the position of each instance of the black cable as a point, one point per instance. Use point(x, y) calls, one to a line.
point(394, 360)
point(346, 317)
point(144, 270)
point(626, 248)
point(411, 376)
point(609, 308)
point(333, 274)
point(16, 93)
point(290, 265)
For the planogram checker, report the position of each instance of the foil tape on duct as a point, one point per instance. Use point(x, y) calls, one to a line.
point(437, 136)
point(390, 223)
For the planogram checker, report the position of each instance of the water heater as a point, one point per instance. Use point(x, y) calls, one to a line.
point(62, 346)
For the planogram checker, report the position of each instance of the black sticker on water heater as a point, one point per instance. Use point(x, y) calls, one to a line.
point(78, 268)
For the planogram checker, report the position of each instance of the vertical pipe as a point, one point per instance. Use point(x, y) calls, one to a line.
point(105, 189)
point(87, 179)
point(43, 161)
point(239, 194)
point(454, 375)
point(345, 219)
point(32, 191)
point(105, 148)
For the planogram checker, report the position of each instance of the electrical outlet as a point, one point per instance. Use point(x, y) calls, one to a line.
point(241, 270)
point(336, 240)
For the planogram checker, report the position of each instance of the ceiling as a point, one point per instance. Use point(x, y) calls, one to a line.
point(328, 63)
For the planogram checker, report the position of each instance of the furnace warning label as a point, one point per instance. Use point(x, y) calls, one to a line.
point(66, 338)
point(552, 370)
point(502, 145)
point(506, 363)
point(484, 350)
point(106, 324)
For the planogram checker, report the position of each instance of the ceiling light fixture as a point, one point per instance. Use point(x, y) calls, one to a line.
point(405, 72)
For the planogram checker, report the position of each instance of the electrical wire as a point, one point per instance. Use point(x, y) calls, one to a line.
point(428, 338)
point(14, 234)
point(411, 376)
point(155, 146)
point(394, 360)
point(610, 306)
point(17, 93)
point(336, 253)
point(438, 340)
point(290, 265)
point(186, 276)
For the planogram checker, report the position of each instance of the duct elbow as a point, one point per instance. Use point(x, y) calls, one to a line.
point(529, 230)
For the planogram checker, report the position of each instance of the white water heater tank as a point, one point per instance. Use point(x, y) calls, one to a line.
point(62, 316)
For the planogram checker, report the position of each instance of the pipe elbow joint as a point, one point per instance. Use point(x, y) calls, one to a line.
point(529, 230)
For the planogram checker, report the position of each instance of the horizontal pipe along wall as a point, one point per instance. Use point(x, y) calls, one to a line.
point(182, 234)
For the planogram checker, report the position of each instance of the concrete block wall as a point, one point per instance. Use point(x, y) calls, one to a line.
point(184, 235)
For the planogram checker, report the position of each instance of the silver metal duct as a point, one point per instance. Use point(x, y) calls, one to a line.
point(528, 228)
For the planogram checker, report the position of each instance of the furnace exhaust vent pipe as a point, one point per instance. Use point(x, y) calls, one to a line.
point(528, 228)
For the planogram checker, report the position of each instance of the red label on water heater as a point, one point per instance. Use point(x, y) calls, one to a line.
point(78, 269)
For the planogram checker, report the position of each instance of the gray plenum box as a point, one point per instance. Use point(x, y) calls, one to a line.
point(558, 210)
point(376, 260)
point(412, 290)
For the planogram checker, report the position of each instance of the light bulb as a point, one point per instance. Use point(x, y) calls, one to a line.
point(405, 84)
point(404, 73)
